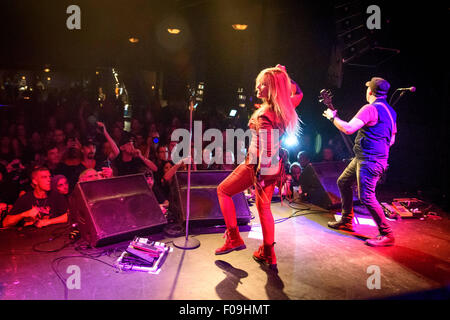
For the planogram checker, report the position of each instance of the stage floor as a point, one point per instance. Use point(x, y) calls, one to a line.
point(314, 262)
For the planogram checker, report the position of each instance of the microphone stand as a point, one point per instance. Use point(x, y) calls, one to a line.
point(398, 98)
point(188, 242)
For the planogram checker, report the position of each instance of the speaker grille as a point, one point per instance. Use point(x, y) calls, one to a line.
point(115, 209)
point(204, 203)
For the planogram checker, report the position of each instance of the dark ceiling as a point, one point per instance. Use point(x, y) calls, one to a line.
point(35, 32)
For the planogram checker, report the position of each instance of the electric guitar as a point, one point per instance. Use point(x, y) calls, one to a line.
point(326, 98)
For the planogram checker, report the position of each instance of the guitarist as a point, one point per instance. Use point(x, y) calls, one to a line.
point(375, 123)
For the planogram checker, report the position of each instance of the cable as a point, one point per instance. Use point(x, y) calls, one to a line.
point(392, 96)
point(295, 202)
point(50, 251)
point(87, 251)
point(55, 235)
point(55, 265)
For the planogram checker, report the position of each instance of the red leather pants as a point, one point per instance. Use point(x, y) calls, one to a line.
point(239, 180)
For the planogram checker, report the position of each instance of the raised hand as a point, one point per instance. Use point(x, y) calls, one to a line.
point(102, 127)
point(279, 66)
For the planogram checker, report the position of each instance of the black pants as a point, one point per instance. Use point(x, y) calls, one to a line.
point(366, 174)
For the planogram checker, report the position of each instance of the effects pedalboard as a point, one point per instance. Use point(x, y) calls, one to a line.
point(404, 208)
point(143, 254)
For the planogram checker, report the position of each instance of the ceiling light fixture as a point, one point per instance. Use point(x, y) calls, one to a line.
point(173, 31)
point(239, 27)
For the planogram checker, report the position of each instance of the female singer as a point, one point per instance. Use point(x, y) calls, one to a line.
point(280, 95)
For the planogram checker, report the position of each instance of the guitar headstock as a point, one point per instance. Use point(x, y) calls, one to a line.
point(326, 98)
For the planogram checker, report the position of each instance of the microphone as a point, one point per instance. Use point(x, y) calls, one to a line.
point(412, 89)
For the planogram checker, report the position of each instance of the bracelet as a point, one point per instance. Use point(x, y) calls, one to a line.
point(332, 119)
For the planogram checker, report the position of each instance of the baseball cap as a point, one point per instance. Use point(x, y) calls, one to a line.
point(88, 141)
point(379, 86)
point(126, 137)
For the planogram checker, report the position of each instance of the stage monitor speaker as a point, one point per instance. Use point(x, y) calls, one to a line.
point(115, 209)
point(319, 183)
point(204, 203)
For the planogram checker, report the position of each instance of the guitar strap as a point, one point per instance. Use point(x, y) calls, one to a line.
point(390, 116)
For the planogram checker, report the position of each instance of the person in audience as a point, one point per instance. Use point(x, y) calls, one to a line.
point(153, 143)
point(284, 155)
point(53, 160)
point(130, 159)
point(141, 144)
point(164, 175)
point(136, 127)
point(160, 195)
point(51, 125)
point(59, 139)
point(36, 146)
point(303, 159)
point(20, 144)
point(40, 207)
point(88, 151)
point(89, 175)
point(18, 177)
point(295, 171)
point(70, 130)
point(117, 133)
point(171, 146)
point(327, 154)
point(60, 184)
point(71, 165)
point(162, 155)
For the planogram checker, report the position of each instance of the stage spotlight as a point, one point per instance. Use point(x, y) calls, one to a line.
point(290, 141)
point(233, 113)
point(133, 40)
point(46, 70)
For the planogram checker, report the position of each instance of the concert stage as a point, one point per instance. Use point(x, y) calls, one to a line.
point(314, 262)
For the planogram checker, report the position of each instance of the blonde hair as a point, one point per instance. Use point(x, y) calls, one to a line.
point(84, 175)
point(279, 99)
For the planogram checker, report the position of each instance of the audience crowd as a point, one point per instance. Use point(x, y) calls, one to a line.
point(48, 145)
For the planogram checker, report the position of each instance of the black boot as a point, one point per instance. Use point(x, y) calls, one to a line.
point(344, 224)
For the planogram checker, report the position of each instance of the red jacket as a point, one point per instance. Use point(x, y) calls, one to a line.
point(265, 143)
